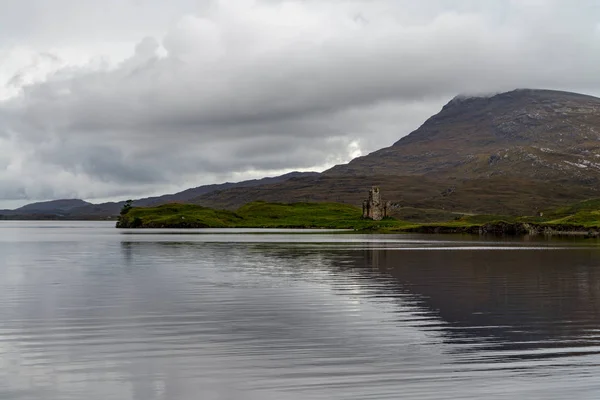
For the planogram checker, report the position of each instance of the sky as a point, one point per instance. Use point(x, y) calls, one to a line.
point(115, 99)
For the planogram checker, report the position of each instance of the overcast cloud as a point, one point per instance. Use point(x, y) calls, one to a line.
point(126, 98)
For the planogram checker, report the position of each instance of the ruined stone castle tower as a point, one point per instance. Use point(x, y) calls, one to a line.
point(374, 208)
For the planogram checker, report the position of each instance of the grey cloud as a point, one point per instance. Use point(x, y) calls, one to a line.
point(107, 164)
point(68, 21)
point(278, 85)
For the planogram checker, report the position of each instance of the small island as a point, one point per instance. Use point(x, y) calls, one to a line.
point(579, 219)
point(257, 214)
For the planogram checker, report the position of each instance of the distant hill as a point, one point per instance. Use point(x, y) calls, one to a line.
point(513, 153)
point(53, 206)
point(189, 194)
point(54, 209)
point(79, 209)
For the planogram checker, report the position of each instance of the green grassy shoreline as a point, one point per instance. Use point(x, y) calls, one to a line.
point(253, 215)
point(580, 219)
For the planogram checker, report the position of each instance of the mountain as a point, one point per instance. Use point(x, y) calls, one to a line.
point(54, 206)
point(517, 152)
point(538, 134)
point(514, 152)
point(79, 209)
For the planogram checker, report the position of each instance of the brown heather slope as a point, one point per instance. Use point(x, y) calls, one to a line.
point(495, 195)
point(538, 134)
point(512, 153)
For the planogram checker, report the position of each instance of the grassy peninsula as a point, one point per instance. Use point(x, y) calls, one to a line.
point(253, 215)
point(581, 218)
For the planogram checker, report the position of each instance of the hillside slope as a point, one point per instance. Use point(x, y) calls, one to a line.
point(511, 153)
point(58, 206)
point(79, 209)
point(536, 134)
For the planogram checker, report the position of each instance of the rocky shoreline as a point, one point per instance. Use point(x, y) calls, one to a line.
point(511, 229)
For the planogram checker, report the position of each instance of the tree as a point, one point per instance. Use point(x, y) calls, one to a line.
point(126, 207)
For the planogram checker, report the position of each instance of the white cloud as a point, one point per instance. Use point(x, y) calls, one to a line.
point(215, 90)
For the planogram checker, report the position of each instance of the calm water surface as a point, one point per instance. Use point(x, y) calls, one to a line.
point(90, 312)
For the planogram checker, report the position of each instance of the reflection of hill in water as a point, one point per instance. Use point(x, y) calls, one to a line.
point(525, 303)
point(500, 299)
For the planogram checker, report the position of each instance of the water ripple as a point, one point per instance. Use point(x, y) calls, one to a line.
point(86, 312)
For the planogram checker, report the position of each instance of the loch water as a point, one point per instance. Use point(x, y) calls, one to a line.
point(91, 312)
